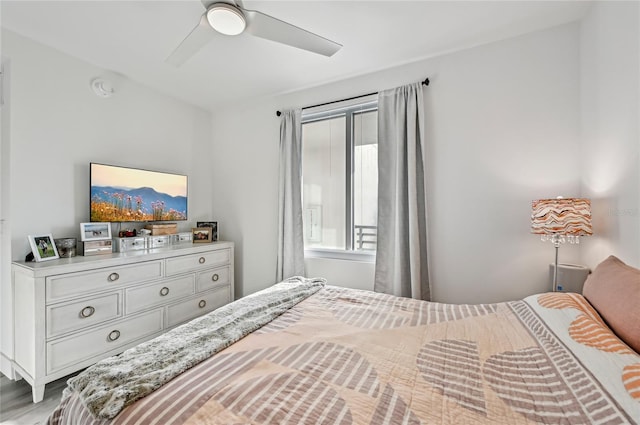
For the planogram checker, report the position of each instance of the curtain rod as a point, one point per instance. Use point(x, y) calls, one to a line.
point(278, 113)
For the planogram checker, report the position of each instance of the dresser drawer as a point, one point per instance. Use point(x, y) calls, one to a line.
point(210, 279)
point(205, 260)
point(68, 351)
point(80, 314)
point(197, 306)
point(65, 285)
point(142, 297)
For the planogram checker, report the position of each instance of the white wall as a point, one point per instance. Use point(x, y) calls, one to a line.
point(58, 125)
point(5, 229)
point(610, 80)
point(504, 130)
point(503, 123)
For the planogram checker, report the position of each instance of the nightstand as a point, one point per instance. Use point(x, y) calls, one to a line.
point(571, 277)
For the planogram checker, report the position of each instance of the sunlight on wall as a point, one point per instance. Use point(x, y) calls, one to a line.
point(608, 164)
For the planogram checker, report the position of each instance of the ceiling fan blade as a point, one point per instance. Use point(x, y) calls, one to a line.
point(196, 40)
point(270, 28)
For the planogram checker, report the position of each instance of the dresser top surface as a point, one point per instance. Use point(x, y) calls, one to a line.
point(78, 263)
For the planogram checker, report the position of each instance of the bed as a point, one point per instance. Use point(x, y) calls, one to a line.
point(331, 355)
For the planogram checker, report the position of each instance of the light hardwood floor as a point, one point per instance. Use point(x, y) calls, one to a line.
point(16, 406)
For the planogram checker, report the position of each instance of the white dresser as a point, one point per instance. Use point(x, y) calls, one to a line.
point(71, 312)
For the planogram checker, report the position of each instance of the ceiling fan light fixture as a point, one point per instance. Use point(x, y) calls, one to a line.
point(226, 19)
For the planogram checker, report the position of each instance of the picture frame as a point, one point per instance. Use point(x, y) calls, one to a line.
point(95, 231)
point(214, 227)
point(201, 234)
point(43, 247)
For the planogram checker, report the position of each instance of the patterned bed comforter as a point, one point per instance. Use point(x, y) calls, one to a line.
point(345, 356)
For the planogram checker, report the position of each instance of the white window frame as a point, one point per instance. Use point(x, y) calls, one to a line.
point(348, 110)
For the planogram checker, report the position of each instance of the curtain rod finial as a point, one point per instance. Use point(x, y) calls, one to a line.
point(426, 82)
point(278, 113)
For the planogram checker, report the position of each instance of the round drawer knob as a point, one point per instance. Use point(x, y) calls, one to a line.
point(87, 312)
point(113, 335)
point(201, 260)
point(215, 277)
point(113, 277)
point(164, 291)
point(202, 304)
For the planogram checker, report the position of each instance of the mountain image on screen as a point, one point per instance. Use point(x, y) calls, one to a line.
point(110, 204)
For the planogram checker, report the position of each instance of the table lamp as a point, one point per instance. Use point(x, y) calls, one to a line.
point(561, 220)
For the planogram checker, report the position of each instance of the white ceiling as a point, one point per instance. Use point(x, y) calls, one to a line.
point(135, 37)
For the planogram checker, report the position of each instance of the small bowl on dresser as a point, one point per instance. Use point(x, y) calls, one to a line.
point(66, 247)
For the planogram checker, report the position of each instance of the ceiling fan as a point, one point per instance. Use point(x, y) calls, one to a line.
point(233, 19)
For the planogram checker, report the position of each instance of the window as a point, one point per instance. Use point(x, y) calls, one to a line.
point(340, 178)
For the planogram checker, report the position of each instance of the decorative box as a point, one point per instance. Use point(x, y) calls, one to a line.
point(158, 241)
point(162, 229)
point(184, 237)
point(129, 244)
point(96, 247)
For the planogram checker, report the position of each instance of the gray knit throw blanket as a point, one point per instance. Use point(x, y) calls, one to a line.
point(114, 383)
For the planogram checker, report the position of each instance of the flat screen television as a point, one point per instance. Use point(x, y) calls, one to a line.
point(122, 194)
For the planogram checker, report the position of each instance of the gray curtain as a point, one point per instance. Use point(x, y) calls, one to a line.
point(401, 257)
point(290, 240)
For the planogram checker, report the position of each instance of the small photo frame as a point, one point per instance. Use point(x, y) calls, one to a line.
point(201, 234)
point(95, 231)
point(43, 247)
point(214, 227)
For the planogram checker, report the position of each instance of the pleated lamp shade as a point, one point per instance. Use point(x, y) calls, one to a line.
point(562, 217)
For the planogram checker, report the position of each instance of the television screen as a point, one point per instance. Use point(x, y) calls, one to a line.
point(121, 194)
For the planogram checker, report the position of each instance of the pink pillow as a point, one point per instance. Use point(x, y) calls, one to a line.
point(613, 289)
